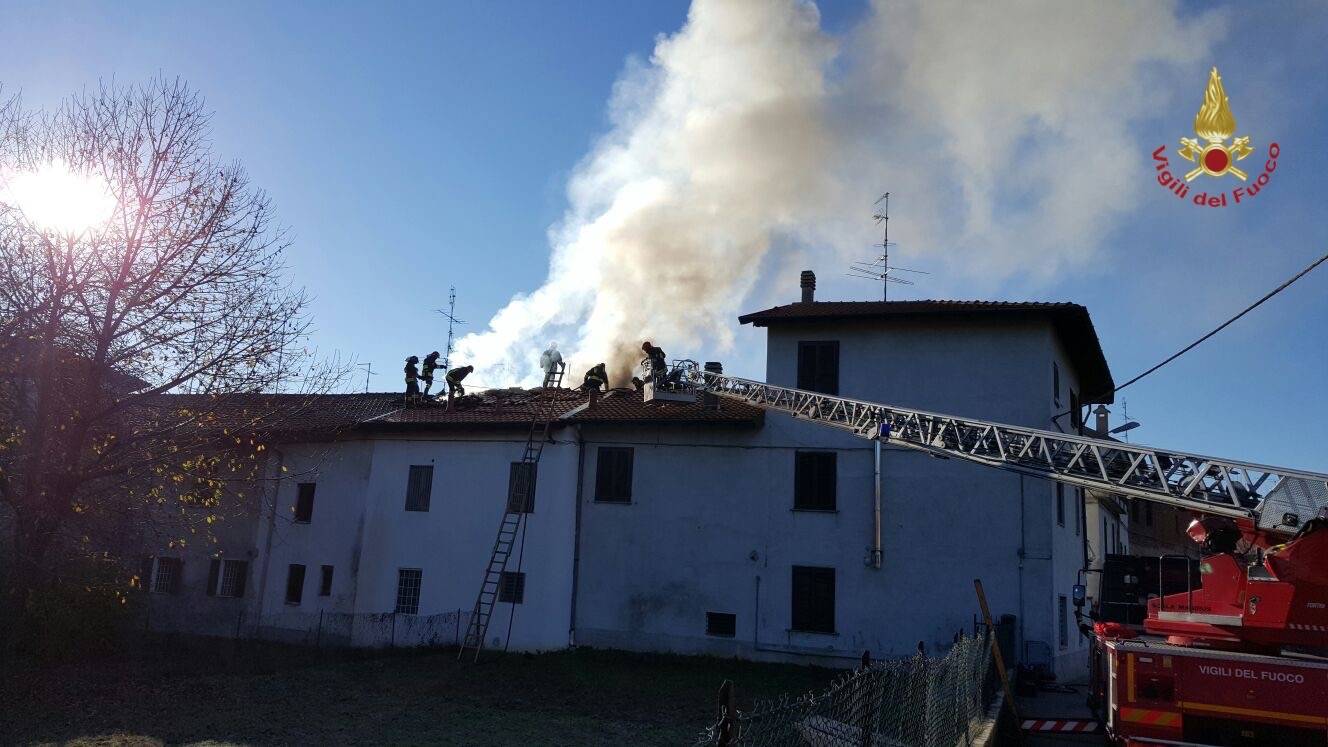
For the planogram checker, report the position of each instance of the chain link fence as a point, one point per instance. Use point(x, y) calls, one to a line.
point(317, 629)
point(917, 702)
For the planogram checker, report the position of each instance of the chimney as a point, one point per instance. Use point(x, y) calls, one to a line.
point(1103, 425)
point(593, 393)
point(808, 286)
point(708, 400)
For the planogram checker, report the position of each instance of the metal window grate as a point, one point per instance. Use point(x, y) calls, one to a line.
point(408, 590)
point(1063, 621)
point(512, 588)
point(167, 578)
point(722, 624)
point(521, 488)
point(233, 574)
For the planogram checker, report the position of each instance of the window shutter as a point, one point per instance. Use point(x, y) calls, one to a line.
point(214, 572)
point(145, 573)
point(178, 579)
point(827, 367)
point(242, 577)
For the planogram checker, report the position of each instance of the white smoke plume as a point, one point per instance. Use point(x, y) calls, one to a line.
point(1007, 125)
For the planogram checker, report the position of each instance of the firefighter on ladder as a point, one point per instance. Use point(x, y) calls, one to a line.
point(550, 361)
point(412, 377)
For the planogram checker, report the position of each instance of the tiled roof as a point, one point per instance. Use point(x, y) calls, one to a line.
point(282, 415)
point(1070, 320)
point(627, 405)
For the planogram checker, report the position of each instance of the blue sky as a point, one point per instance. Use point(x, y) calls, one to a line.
point(413, 146)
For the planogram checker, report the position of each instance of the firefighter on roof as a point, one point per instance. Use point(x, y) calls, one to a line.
point(412, 377)
point(426, 371)
point(597, 378)
point(550, 361)
point(454, 378)
point(658, 366)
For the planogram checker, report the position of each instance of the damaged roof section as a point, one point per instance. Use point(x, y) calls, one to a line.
point(519, 407)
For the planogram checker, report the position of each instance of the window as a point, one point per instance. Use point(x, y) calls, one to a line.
point(1056, 384)
point(166, 575)
point(418, 487)
point(722, 624)
point(1063, 619)
point(325, 583)
point(1060, 504)
point(294, 583)
point(613, 474)
point(813, 599)
point(818, 367)
point(1076, 417)
point(304, 503)
point(408, 590)
point(512, 587)
point(227, 578)
point(521, 488)
point(814, 480)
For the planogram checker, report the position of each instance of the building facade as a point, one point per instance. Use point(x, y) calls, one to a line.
point(702, 528)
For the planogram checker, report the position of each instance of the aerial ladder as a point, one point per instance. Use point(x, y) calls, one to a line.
point(1245, 650)
point(521, 488)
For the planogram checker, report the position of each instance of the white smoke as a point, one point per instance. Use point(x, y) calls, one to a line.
point(1008, 128)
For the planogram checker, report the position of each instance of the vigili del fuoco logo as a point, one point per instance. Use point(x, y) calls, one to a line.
point(1213, 156)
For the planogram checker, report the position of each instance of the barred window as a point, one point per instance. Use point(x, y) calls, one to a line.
point(408, 590)
point(226, 578)
point(512, 587)
point(722, 624)
point(521, 488)
point(166, 575)
point(419, 486)
point(1063, 620)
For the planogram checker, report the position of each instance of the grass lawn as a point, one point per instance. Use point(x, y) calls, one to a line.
point(215, 693)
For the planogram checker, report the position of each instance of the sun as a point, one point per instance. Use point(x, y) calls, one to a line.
point(55, 198)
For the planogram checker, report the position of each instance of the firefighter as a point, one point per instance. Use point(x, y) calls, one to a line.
point(658, 364)
point(597, 378)
point(454, 378)
point(426, 371)
point(638, 384)
point(550, 361)
point(412, 377)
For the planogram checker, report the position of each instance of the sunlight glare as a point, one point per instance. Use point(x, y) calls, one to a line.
point(54, 198)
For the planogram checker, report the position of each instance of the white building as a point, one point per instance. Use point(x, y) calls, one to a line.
point(694, 529)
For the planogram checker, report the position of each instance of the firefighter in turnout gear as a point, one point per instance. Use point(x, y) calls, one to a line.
point(597, 378)
point(658, 365)
point(454, 378)
point(426, 371)
point(412, 377)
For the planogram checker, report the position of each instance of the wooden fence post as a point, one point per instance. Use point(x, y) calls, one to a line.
point(728, 727)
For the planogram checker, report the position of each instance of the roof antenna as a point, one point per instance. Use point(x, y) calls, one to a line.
point(878, 269)
point(450, 316)
point(368, 371)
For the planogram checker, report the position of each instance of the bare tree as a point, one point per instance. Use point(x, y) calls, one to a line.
point(180, 289)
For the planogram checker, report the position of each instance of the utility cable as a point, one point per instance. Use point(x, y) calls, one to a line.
point(1214, 331)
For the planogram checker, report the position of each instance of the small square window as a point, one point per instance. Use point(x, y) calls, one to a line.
point(613, 474)
point(721, 624)
point(408, 590)
point(419, 487)
point(325, 583)
point(304, 503)
point(512, 587)
point(294, 583)
point(818, 366)
point(814, 477)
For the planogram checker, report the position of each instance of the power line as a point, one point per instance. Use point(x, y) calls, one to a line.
point(1215, 330)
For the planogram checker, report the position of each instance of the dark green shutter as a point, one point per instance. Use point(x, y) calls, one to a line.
point(214, 572)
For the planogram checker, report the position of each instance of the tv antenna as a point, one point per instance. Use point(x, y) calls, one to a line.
point(368, 371)
point(879, 268)
point(452, 321)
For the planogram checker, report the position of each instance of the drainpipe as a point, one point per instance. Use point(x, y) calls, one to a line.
point(267, 545)
point(576, 532)
point(876, 542)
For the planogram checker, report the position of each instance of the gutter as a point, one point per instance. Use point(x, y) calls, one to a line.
point(876, 541)
point(576, 532)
